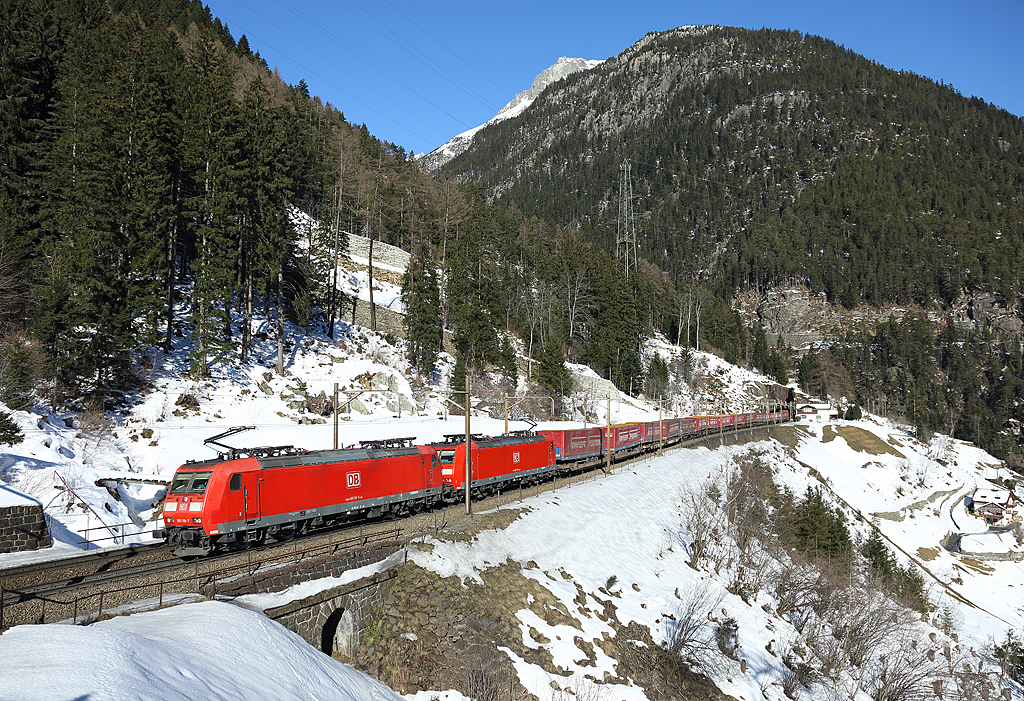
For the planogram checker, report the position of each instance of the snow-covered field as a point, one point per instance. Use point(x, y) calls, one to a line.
point(626, 531)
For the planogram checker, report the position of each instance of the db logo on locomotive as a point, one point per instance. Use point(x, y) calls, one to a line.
point(352, 479)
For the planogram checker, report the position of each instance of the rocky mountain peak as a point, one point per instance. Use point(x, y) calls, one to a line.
point(564, 66)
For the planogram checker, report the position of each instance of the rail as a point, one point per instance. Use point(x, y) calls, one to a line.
point(54, 609)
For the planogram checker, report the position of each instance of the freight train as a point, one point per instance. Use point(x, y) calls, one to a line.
point(249, 495)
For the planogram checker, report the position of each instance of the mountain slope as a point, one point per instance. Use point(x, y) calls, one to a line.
point(769, 157)
point(564, 66)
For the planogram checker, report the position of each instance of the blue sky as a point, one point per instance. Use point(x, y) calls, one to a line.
point(417, 73)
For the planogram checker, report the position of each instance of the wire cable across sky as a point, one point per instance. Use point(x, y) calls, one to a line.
point(419, 73)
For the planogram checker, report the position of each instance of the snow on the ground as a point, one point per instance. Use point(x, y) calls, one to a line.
point(629, 527)
point(626, 526)
point(9, 496)
point(207, 650)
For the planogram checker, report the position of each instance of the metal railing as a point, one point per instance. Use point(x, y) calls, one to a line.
point(53, 609)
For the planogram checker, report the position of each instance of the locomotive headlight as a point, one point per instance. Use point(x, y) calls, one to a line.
point(195, 506)
point(170, 506)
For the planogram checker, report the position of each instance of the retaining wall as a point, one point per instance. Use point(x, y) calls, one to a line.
point(23, 527)
point(335, 621)
point(280, 578)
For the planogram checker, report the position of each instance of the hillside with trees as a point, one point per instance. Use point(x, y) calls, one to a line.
point(156, 172)
point(769, 159)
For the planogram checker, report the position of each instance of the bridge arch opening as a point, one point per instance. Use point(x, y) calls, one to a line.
point(338, 636)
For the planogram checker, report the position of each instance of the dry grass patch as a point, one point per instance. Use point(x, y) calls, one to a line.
point(790, 436)
point(927, 554)
point(866, 442)
point(466, 528)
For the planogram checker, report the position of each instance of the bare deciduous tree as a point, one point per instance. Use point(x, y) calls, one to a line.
point(905, 670)
point(579, 306)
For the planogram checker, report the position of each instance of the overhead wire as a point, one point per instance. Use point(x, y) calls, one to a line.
point(459, 41)
point(334, 85)
point(370, 63)
point(401, 43)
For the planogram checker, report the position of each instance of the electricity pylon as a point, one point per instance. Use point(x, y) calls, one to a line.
point(625, 239)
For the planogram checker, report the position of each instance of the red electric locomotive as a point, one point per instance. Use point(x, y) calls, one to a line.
point(494, 460)
point(240, 501)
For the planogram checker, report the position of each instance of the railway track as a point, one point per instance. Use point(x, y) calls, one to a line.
point(81, 585)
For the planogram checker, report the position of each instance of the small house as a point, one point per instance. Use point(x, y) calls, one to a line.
point(997, 506)
point(813, 411)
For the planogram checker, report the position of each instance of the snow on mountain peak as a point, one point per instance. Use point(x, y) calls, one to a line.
point(458, 144)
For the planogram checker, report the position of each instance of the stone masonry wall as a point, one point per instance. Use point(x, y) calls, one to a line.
point(388, 321)
point(382, 253)
point(316, 619)
point(23, 528)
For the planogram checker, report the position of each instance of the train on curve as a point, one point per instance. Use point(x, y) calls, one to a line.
point(246, 496)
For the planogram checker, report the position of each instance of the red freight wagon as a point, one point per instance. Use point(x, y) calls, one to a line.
point(671, 429)
point(494, 460)
point(626, 436)
point(726, 421)
point(238, 501)
point(577, 444)
point(705, 422)
point(688, 425)
point(652, 432)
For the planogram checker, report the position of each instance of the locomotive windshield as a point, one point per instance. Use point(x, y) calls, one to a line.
point(180, 483)
point(190, 482)
point(447, 457)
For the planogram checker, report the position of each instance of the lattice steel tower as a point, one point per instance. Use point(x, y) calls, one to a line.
point(625, 239)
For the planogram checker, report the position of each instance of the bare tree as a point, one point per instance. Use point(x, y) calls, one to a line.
point(579, 304)
point(689, 632)
point(905, 671)
point(702, 520)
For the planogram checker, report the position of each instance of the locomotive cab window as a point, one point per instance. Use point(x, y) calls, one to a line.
point(236, 483)
point(447, 456)
point(199, 482)
point(180, 483)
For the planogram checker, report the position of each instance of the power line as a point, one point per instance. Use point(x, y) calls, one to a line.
point(414, 52)
point(443, 45)
point(348, 48)
point(337, 87)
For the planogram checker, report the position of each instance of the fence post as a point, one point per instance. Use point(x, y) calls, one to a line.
point(161, 593)
point(100, 614)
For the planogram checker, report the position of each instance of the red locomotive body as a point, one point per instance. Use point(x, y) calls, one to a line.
point(242, 501)
point(578, 444)
point(494, 460)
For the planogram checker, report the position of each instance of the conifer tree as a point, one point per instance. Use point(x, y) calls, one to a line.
point(552, 373)
point(421, 296)
point(10, 434)
point(209, 152)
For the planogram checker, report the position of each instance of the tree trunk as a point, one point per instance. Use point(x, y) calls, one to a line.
point(280, 319)
point(373, 309)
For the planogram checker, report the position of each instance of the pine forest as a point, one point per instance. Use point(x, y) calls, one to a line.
point(157, 178)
